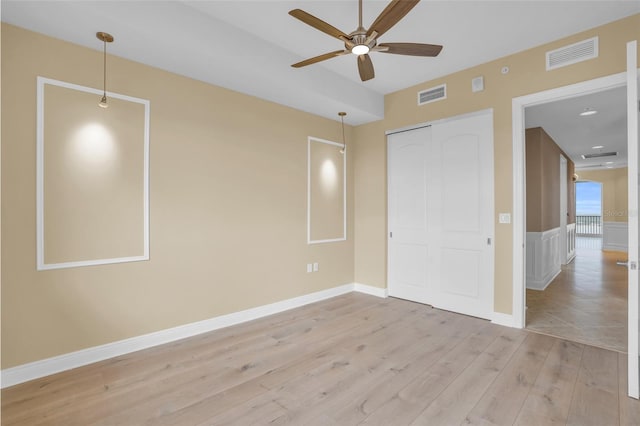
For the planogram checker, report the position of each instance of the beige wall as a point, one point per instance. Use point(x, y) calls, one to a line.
point(326, 187)
point(228, 194)
point(93, 165)
point(542, 177)
point(614, 191)
point(527, 75)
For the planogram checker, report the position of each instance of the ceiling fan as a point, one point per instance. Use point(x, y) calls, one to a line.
point(362, 41)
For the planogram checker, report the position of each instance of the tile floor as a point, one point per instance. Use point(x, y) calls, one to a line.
point(587, 302)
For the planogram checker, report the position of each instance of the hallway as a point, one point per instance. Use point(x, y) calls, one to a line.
point(587, 302)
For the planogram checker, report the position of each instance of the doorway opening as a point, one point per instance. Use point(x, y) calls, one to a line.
point(579, 295)
point(589, 215)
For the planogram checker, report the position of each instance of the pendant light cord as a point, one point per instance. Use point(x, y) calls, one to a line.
point(344, 141)
point(344, 144)
point(104, 68)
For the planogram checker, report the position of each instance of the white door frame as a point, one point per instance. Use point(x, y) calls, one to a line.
point(519, 213)
point(632, 176)
point(564, 190)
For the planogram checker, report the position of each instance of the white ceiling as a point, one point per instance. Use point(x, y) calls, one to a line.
point(577, 135)
point(248, 46)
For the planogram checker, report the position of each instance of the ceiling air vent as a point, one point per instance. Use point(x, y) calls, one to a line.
point(598, 155)
point(578, 52)
point(431, 95)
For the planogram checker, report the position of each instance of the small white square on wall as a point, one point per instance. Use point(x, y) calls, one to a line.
point(477, 84)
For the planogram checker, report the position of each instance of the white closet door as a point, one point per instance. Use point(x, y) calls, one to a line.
point(463, 209)
point(408, 234)
point(441, 215)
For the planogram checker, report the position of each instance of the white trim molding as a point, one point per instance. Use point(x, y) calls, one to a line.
point(571, 242)
point(518, 106)
point(344, 191)
point(40, 184)
point(543, 258)
point(371, 290)
point(34, 370)
point(615, 236)
point(503, 319)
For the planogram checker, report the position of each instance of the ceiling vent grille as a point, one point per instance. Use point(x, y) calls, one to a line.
point(599, 155)
point(431, 95)
point(574, 53)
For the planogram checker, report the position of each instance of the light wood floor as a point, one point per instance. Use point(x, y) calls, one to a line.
point(586, 303)
point(353, 359)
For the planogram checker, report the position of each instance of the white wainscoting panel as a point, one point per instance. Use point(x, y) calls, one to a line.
point(543, 258)
point(614, 236)
point(571, 242)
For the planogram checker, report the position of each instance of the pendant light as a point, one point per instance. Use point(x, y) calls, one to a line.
point(105, 38)
point(344, 143)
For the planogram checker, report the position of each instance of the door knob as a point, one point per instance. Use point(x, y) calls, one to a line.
point(631, 265)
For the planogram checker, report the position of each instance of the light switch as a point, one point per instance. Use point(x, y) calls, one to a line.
point(504, 218)
point(315, 267)
point(309, 267)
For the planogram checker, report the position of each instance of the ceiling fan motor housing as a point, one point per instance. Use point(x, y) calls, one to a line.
point(360, 38)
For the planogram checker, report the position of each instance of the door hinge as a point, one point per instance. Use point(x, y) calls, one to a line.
point(489, 241)
point(390, 234)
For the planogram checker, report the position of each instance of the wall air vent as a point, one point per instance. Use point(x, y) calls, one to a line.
point(598, 155)
point(574, 53)
point(431, 95)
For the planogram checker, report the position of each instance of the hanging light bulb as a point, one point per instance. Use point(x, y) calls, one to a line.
point(105, 38)
point(344, 143)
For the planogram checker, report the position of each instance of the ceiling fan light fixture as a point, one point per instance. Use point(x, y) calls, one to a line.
point(360, 49)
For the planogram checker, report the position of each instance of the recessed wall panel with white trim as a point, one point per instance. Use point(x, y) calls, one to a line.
point(326, 192)
point(92, 177)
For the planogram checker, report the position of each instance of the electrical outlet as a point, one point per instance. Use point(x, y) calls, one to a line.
point(309, 267)
point(504, 218)
point(315, 267)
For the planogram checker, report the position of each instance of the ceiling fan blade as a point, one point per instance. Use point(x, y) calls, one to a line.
point(320, 58)
point(394, 12)
point(365, 68)
point(411, 49)
point(318, 24)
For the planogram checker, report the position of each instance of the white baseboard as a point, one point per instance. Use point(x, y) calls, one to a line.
point(373, 291)
point(33, 370)
point(503, 319)
point(544, 283)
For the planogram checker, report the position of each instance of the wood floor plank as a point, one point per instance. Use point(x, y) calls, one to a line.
point(392, 367)
point(502, 401)
point(549, 401)
point(262, 365)
point(229, 369)
point(138, 368)
point(453, 404)
point(416, 387)
point(353, 359)
point(595, 398)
